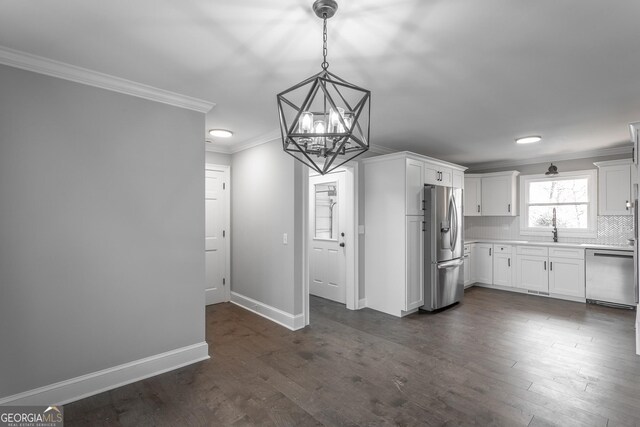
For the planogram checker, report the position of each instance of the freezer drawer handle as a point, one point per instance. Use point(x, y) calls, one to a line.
point(450, 264)
point(612, 255)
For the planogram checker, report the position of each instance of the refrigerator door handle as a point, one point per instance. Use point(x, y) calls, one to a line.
point(454, 222)
point(451, 264)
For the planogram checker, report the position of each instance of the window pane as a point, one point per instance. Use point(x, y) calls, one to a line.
point(559, 191)
point(326, 211)
point(567, 216)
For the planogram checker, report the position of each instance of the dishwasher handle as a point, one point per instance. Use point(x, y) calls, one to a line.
point(610, 255)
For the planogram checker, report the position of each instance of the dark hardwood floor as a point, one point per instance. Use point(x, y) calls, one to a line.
point(496, 359)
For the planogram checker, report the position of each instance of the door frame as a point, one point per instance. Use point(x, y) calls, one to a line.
point(226, 169)
point(352, 240)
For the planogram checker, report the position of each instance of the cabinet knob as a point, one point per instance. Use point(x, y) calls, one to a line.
point(342, 244)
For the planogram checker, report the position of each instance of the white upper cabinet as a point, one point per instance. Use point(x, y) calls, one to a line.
point(614, 187)
point(491, 194)
point(472, 196)
point(436, 174)
point(414, 187)
point(458, 179)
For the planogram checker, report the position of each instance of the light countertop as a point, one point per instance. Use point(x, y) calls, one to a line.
point(628, 248)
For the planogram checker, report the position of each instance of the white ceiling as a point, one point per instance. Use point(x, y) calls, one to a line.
point(455, 79)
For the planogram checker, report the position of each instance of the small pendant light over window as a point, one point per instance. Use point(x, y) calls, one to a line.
point(553, 170)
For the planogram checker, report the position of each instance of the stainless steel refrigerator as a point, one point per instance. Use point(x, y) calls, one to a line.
point(443, 247)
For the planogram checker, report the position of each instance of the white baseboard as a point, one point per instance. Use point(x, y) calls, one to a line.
point(97, 382)
point(362, 303)
point(289, 321)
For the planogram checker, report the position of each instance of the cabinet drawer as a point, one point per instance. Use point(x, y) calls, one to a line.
point(502, 249)
point(533, 250)
point(575, 253)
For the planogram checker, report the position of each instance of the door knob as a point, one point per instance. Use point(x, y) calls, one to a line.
point(342, 244)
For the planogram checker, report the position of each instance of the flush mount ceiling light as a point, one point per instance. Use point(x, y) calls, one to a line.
point(221, 133)
point(528, 139)
point(553, 170)
point(324, 120)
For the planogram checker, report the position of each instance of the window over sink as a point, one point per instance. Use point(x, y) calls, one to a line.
point(572, 194)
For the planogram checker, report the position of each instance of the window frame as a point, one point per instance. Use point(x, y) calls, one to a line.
point(592, 211)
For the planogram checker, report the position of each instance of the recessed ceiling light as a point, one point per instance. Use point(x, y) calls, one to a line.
point(221, 133)
point(528, 139)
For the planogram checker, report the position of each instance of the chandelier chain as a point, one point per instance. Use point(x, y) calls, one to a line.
point(325, 64)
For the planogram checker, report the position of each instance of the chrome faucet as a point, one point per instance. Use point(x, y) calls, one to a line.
point(555, 229)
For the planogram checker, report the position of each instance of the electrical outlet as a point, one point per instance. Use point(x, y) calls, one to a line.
point(284, 239)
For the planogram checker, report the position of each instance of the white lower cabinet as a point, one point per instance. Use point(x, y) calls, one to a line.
point(414, 293)
point(532, 273)
point(566, 272)
point(483, 260)
point(469, 268)
point(502, 268)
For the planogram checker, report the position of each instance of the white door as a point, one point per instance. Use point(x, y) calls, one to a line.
point(327, 255)
point(216, 283)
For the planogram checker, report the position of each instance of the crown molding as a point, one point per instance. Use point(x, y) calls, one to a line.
point(379, 149)
point(214, 148)
point(254, 142)
point(49, 67)
point(271, 136)
point(613, 151)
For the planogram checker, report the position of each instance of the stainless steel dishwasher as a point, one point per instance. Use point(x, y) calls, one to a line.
point(610, 278)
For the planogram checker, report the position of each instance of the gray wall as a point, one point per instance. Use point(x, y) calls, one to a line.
point(264, 203)
point(217, 158)
point(101, 229)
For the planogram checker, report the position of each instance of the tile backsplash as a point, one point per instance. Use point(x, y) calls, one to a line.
point(612, 230)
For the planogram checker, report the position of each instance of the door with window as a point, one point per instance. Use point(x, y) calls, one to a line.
point(327, 255)
point(216, 235)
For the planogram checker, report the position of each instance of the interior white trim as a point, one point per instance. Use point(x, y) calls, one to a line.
point(77, 388)
point(269, 137)
point(592, 229)
point(380, 149)
point(38, 64)
point(289, 321)
point(362, 303)
point(613, 151)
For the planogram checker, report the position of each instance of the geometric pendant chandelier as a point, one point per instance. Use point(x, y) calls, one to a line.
point(324, 120)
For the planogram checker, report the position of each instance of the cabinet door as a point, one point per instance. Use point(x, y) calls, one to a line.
point(435, 174)
point(431, 174)
point(458, 179)
point(497, 196)
point(472, 263)
point(467, 270)
point(502, 269)
point(566, 277)
point(446, 177)
point(614, 190)
point(472, 196)
point(414, 296)
point(414, 187)
point(532, 273)
point(484, 263)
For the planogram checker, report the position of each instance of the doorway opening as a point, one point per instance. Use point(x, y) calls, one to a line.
point(330, 261)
